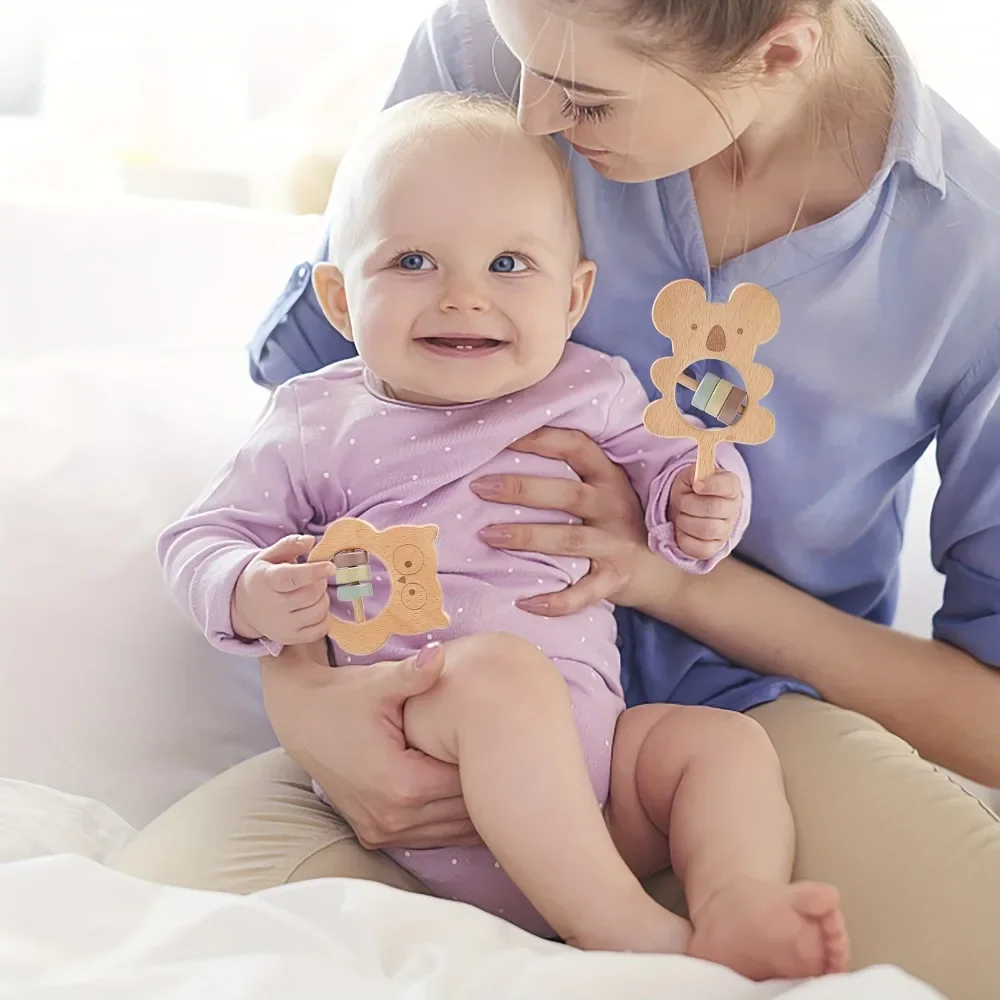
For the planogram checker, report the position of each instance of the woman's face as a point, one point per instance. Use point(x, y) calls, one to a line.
point(634, 119)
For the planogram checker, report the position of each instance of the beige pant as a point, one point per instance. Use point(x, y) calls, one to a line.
point(915, 856)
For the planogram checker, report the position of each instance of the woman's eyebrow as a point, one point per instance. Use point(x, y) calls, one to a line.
point(580, 88)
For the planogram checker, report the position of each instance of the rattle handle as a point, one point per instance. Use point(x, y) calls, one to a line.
point(687, 382)
point(705, 465)
point(359, 611)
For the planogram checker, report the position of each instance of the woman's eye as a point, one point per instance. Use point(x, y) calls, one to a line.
point(592, 113)
point(415, 262)
point(507, 263)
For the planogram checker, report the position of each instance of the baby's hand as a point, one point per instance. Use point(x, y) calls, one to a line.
point(705, 514)
point(280, 599)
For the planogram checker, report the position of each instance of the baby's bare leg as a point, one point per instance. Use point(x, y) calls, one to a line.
point(709, 783)
point(502, 712)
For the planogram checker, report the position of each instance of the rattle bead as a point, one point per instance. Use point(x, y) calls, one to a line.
point(733, 407)
point(353, 574)
point(718, 397)
point(351, 557)
point(703, 393)
point(355, 592)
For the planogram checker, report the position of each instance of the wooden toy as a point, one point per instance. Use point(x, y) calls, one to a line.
point(415, 597)
point(699, 329)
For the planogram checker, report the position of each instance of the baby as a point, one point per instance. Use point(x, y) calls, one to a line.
point(456, 269)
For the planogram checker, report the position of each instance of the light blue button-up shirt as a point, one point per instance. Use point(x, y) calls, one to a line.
point(889, 342)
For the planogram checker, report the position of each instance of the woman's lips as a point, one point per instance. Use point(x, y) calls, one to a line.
point(589, 153)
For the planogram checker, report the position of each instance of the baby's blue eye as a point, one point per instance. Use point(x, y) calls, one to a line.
point(414, 262)
point(507, 263)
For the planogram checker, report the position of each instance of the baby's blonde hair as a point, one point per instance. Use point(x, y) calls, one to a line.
point(399, 129)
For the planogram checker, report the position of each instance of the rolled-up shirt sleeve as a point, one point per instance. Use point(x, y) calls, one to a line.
point(965, 524)
point(295, 337)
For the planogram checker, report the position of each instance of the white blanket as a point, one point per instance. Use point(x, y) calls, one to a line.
point(72, 928)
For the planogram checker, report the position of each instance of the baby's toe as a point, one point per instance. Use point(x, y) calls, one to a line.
point(815, 900)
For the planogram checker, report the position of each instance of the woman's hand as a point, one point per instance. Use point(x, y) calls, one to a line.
point(345, 728)
point(613, 533)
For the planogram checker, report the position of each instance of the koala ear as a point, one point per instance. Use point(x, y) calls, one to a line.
point(678, 299)
point(431, 531)
point(756, 310)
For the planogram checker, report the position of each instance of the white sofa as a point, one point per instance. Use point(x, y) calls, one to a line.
point(123, 385)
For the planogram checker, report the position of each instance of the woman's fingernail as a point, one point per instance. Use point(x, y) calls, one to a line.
point(427, 654)
point(488, 485)
point(496, 534)
point(534, 604)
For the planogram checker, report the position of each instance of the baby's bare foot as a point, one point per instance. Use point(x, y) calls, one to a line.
point(765, 931)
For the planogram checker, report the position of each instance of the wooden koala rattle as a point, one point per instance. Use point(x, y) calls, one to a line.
point(415, 601)
point(699, 329)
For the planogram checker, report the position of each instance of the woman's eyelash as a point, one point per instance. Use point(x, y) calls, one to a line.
point(585, 112)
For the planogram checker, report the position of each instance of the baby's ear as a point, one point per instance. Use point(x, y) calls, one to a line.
point(584, 276)
point(328, 283)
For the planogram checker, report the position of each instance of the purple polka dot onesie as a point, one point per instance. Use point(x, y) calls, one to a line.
point(333, 445)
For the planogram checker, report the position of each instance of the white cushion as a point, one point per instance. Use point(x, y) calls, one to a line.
point(36, 821)
point(107, 691)
point(123, 387)
point(143, 274)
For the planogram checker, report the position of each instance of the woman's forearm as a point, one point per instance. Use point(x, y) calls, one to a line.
point(939, 699)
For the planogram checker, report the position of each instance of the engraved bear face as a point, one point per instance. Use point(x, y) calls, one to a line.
point(727, 330)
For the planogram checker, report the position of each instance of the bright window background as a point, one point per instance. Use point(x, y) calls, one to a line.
point(232, 100)
point(251, 101)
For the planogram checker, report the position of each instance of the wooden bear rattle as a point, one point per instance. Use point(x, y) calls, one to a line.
point(415, 599)
point(699, 329)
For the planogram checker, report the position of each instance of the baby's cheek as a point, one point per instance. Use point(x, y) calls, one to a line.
point(544, 333)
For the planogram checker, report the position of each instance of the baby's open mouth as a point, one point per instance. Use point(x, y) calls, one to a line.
point(461, 345)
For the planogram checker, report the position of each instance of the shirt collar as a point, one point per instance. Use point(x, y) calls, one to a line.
point(915, 138)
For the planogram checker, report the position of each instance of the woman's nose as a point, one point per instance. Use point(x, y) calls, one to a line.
point(539, 106)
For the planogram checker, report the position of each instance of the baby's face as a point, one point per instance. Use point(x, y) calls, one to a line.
point(465, 279)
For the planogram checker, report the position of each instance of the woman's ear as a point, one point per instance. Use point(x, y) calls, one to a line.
point(328, 283)
point(792, 42)
point(583, 287)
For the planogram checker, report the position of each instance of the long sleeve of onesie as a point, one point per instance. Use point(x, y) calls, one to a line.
point(653, 463)
point(259, 497)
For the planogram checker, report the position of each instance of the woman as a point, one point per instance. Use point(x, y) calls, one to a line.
point(789, 143)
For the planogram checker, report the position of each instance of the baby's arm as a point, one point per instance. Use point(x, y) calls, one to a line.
point(662, 468)
point(258, 498)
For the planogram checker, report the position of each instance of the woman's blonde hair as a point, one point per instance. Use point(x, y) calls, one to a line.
point(715, 36)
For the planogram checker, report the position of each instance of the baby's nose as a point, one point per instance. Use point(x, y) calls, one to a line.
point(464, 296)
